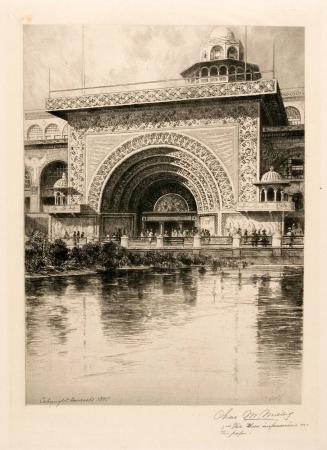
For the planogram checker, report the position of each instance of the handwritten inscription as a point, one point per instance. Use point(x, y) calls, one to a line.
point(234, 423)
point(73, 400)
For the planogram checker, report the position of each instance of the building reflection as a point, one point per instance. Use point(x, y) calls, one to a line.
point(279, 323)
point(140, 301)
point(57, 323)
point(189, 285)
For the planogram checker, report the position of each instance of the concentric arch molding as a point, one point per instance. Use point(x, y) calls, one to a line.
point(159, 95)
point(191, 147)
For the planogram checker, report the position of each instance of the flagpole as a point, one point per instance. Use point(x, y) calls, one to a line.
point(49, 81)
point(83, 59)
point(245, 50)
point(274, 66)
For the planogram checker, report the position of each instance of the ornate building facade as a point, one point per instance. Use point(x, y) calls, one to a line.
point(220, 149)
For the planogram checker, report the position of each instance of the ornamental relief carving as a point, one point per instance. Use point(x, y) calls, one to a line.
point(189, 145)
point(139, 192)
point(157, 190)
point(124, 174)
point(171, 203)
point(207, 201)
point(160, 118)
point(177, 93)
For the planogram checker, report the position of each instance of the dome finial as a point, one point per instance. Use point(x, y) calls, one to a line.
point(271, 175)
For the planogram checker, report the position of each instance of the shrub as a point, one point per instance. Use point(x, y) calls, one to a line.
point(187, 260)
point(35, 252)
point(58, 252)
point(76, 257)
point(90, 253)
point(108, 256)
point(34, 261)
point(200, 260)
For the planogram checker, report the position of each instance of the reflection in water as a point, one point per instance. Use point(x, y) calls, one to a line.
point(279, 326)
point(175, 337)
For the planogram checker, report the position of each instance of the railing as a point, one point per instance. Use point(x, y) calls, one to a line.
point(217, 240)
point(177, 241)
point(77, 241)
point(158, 84)
point(293, 241)
point(47, 140)
point(144, 242)
point(256, 241)
point(53, 209)
point(266, 206)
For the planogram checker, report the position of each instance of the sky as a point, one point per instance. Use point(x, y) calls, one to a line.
point(130, 54)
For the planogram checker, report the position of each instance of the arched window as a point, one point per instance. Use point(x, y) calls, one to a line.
point(204, 72)
point(270, 195)
point(293, 115)
point(50, 174)
point(279, 196)
point(51, 131)
point(213, 71)
point(65, 131)
point(28, 181)
point(217, 52)
point(222, 70)
point(232, 72)
point(34, 133)
point(298, 200)
point(232, 53)
point(248, 75)
point(240, 73)
point(262, 195)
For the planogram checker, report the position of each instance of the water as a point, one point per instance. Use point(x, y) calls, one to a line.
point(179, 337)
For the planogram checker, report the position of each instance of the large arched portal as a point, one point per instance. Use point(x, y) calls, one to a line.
point(167, 169)
point(156, 190)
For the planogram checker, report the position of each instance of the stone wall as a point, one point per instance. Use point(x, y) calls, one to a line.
point(62, 225)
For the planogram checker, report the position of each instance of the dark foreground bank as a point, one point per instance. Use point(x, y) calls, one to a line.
point(43, 258)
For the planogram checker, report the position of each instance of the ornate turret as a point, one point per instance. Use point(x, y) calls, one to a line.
point(222, 45)
point(271, 187)
point(221, 60)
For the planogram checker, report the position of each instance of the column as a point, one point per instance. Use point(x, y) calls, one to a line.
point(275, 195)
point(97, 227)
point(124, 241)
point(281, 196)
point(50, 228)
point(265, 194)
point(236, 240)
point(160, 242)
point(34, 199)
point(197, 241)
point(161, 228)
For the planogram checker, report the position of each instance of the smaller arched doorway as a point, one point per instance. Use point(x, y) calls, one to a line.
point(50, 174)
point(168, 209)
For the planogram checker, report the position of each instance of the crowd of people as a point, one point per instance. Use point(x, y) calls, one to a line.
point(77, 236)
point(174, 233)
point(257, 237)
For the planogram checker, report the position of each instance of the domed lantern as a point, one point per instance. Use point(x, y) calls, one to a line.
point(221, 60)
point(271, 186)
point(60, 190)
